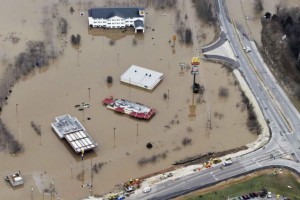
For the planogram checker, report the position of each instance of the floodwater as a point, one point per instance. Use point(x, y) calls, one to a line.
point(242, 11)
point(78, 75)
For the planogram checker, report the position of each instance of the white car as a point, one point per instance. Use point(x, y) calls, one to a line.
point(147, 189)
point(227, 162)
point(247, 49)
point(269, 195)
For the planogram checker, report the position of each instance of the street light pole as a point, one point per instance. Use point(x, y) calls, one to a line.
point(17, 113)
point(129, 88)
point(89, 94)
point(114, 137)
point(137, 133)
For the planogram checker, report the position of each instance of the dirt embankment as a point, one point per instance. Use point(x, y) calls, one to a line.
point(278, 56)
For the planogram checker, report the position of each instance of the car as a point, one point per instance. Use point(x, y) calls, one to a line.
point(247, 49)
point(121, 197)
point(129, 188)
point(269, 195)
point(147, 189)
point(227, 162)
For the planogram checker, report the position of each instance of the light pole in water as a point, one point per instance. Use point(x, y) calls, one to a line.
point(137, 133)
point(114, 137)
point(17, 113)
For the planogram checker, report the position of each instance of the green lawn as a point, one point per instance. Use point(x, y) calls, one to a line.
point(276, 183)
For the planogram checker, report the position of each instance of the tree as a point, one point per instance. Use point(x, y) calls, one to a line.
point(223, 92)
point(258, 6)
point(109, 79)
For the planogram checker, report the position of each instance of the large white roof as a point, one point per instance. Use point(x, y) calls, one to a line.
point(141, 77)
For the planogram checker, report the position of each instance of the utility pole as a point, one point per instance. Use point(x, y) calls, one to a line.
point(31, 193)
point(114, 137)
point(137, 133)
point(92, 176)
point(17, 113)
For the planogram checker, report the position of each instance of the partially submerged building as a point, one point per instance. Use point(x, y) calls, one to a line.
point(15, 179)
point(117, 18)
point(71, 129)
point(141, 77)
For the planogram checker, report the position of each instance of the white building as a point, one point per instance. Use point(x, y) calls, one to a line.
point(117, 18)
point(141, 77)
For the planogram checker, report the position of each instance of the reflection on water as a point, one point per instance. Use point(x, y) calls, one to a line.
point(192, 107)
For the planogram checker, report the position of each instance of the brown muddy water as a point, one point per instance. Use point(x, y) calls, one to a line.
point(53, 91)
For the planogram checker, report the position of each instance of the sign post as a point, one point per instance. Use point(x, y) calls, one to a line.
point(195, 71)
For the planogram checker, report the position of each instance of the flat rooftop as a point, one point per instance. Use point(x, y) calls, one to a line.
point(71, 129)
point(141, 77)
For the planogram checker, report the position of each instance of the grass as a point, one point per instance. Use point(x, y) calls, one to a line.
point(276, 183)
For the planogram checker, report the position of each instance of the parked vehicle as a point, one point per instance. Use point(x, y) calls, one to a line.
point(269, 195)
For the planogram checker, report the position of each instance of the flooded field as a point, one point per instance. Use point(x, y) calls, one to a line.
point(79, 75)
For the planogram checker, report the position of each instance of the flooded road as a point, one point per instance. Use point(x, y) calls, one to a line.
point(79, 75)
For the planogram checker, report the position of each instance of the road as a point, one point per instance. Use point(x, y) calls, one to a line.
point(277, 109)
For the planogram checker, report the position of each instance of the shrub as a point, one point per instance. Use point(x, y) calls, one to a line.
point(165, 96)
point(188, 39)
point(223, 92)
point(109, 79)
point(203, 9)
point(186, 141)
point(75, 40)
point(112, 42)
point(258, 6)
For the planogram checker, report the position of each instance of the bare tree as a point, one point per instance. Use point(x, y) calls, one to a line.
point(258, 6)
point(204, 10)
